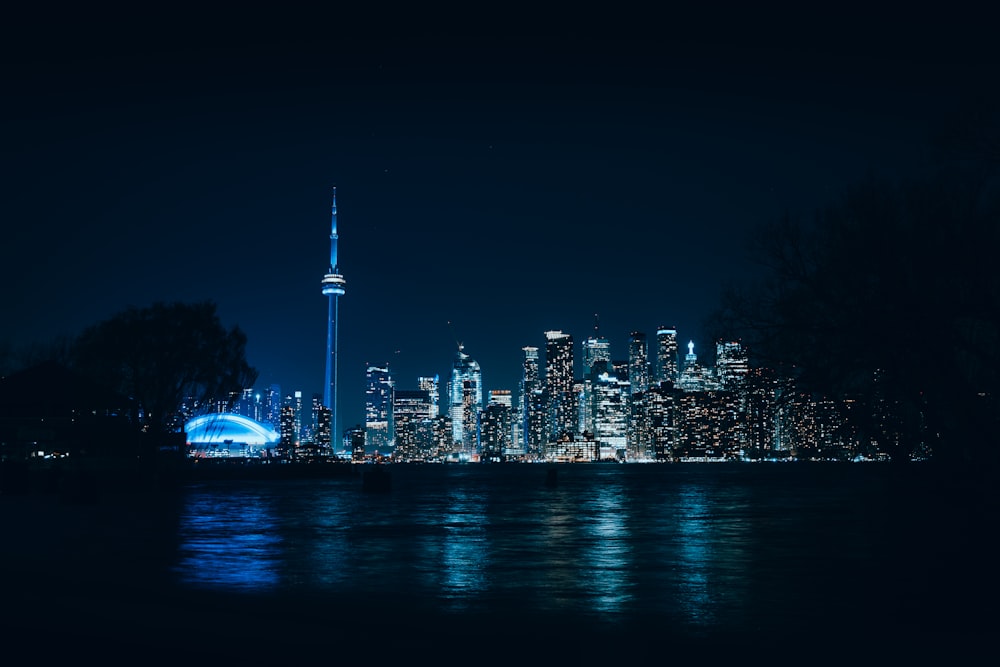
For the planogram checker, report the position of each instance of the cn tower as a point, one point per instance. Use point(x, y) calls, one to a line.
point(333, 287)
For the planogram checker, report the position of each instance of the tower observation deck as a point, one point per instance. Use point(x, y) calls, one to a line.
point(333, 288)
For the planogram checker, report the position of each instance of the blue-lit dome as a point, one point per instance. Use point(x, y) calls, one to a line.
point(228, 431)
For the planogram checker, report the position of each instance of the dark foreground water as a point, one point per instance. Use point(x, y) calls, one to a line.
point(490, 562)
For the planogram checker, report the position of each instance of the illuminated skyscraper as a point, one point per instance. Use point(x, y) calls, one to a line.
point(378, 409)
point(296, 403)
point(531, 439)
point(333, 288)
point(666, 355)
point(495, 429)
point(638, 362)
point(272, 408)
point(430, 385)
point(322, 434)
point(731, 365)
point(610, 410)
point(466, 401)
point(562, 416)
point(286, 444)
point(409, 410)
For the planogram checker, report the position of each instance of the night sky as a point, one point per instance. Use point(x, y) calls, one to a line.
point(493, 181)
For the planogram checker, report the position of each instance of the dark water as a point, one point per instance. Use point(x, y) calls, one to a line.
point(623, 555)
point(697, 548)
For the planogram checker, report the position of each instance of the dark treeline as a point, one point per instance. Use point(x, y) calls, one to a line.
point(117, 388)
point(889, 296)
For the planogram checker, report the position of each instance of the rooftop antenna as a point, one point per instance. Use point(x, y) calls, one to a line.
point(597, 325)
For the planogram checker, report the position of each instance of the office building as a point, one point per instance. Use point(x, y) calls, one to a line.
point(465, 401)
point(378, 409)
point(666, 355)
point(559, 384)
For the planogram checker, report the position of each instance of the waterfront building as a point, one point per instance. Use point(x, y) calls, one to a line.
point(294, 401)
point(355, 437)
point(559, 381)
point(378, 409)
point(531, 405)
point(709, 425)
point(495, 427)
point(441, 443)
point(229, 435)
point(536, 428)
point(638, 362)
point(666, 355)
point(571, 448)
point(286, 432)
point(610, 400)
point(759, 394)
point(323, 436)
point(581, 395)
point(639, 441)
point(663, 420)
point(410, 408)
point(466, 401)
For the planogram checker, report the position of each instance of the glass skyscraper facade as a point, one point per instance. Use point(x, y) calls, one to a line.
point(466, 401)
point(430, 385)
point(731, 365)
point(410, 409)
point(495, 427)
point(562, 414)
point(378, 409)
point(666, 355)
point(638, 362)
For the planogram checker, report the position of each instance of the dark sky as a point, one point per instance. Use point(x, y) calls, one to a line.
point(494, 180)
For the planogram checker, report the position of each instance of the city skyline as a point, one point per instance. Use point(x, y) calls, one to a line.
point(489, 190)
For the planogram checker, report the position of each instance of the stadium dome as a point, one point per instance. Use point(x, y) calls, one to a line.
point(228, 434)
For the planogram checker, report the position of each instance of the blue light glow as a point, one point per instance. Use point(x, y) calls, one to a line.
point(224, 427)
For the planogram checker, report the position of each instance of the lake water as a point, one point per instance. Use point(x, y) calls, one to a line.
point(632, 554)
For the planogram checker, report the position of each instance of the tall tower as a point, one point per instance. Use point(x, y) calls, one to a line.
point(379, 431)
point(666, 354)
point(333, 287)
point(559, 384)
point(466, 401)
point(638, 362)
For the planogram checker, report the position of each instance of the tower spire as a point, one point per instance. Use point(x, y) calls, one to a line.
point(333, 234)
point(333, 287)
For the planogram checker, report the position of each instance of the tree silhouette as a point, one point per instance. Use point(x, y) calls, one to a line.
point(162, 355)
point(889, 297)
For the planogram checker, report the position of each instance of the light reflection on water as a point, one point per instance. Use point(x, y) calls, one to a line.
point(613, 541)
point(607, 559)
point(693, 550)
point(465, 549)
point(231, 540)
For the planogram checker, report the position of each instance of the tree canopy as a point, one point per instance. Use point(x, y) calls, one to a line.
point(890, 296)
point(162, 355)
